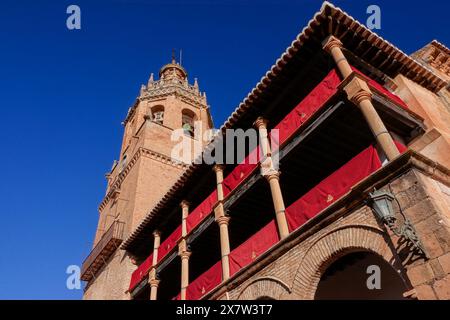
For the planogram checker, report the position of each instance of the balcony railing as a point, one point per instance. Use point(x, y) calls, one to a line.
point(109, 242)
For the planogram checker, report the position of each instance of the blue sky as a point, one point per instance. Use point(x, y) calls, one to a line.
point(63, 95)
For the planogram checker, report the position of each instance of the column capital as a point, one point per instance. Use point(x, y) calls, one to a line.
point(219, 209)
point(218, 167)
point(185, 255)
point(184, 204)
point(356, 88)
point(154, 283)
point(331, 42)
point(273, 174)
point(260, 123)
point(223, 220)
point(182, 245)
point(267, 166)
point(360, 96)
point(156, 233)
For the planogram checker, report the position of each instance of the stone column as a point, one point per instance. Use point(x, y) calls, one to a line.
point(184, 214)
point(272, 176)
point(218, 169)
point(280, 211)
point(223, 221)
point(156, 243)
point(153, 282)
point(182, 250)
point(224, 245)
point(359, 93)
point(334, 46)
point(184, 255)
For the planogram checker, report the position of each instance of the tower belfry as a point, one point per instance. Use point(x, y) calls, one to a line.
point(144, 171)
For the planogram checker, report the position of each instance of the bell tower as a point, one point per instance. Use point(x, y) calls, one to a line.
point(143, 172)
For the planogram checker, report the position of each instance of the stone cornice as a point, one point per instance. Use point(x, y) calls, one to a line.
point(121, 177)
point(434, 55)
point(162, 89)
point(170, 89)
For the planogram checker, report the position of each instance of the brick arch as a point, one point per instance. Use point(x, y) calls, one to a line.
point(264, 287)
point(335, 245)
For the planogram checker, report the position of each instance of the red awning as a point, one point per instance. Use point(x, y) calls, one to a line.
point(257, 244)
point(141, 272)
point(332, 188)
point(239, 258)
point(313, 102)
point(201, 212)
point(205, 283)
point(241, 172)
point(169, 244)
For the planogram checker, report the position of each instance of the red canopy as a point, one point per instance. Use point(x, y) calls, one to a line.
point(242, 171)
point(313, 102)
point(169, 243)
point(141, 272)
point(205, 283)
point(332, 188)
point(257, 244)
point(201, 212)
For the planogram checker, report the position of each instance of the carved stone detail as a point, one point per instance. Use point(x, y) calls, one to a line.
point(357, 89)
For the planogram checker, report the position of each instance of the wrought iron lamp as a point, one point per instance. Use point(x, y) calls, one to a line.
point(381, 202)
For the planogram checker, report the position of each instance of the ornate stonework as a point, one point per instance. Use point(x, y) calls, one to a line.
point(435, 55)
point(173, 82)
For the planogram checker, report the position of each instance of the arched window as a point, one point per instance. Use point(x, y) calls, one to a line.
point(158, 114)
point(187, 122)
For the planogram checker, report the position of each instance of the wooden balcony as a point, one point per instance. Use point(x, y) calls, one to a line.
point(109, 242)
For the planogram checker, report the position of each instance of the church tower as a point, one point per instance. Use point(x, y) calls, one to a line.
point(144, 172)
